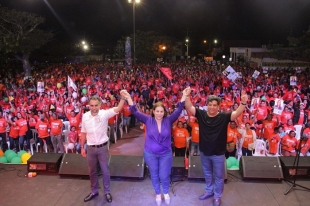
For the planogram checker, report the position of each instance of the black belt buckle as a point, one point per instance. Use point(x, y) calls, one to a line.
point(100, 145)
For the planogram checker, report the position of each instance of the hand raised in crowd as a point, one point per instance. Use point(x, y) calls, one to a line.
point(125, 94)
point(244, 96)
point(186, 91)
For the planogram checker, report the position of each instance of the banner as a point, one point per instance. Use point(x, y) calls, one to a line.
point(167, 72)
point(40, 86)
point(230, 73)
point(293, 80)
point(255, 74)
point(71, 84)
point(278, 106)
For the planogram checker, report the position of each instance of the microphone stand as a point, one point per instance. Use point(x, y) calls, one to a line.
point(295, 168)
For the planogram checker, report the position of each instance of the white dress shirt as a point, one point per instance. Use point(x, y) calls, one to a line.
point(96, 127)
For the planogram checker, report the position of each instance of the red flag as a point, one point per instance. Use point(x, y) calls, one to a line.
point(167, 72)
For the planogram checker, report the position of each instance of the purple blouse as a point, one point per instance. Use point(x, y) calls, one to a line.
point(155, 142)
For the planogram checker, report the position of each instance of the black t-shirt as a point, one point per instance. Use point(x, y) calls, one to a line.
point(212, 132)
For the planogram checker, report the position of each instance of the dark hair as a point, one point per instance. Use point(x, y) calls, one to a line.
point(212, 98)
point(159, 104)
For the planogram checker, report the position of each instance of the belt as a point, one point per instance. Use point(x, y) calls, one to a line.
point(99, 145)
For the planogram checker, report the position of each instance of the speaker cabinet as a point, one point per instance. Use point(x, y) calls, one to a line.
point(289, 169)
point(74, 165)
point(123, 166)
point(253, 167)
point(44, 163)
point(178, 169)
point(195, 169)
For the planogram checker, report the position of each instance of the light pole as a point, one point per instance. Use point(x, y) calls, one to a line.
point(134, 26)
point(214, 50)
point(187, 41)
point(85, 47)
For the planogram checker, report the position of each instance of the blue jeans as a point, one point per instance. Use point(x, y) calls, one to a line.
point(214, 171)
point(195, 146)
point(160, 169)
point(101, 155)
point(21, 142)
point(126, 121)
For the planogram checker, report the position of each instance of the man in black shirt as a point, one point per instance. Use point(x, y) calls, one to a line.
point(212, 141)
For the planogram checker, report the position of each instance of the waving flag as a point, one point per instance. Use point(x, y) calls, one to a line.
point(167, 72)
point(71, 84)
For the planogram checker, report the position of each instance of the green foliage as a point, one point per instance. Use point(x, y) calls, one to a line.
point(149, 46)
point(19, 32)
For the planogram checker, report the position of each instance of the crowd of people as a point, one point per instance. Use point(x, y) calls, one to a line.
point(266, 107)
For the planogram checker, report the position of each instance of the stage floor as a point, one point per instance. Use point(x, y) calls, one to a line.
point(52, 190)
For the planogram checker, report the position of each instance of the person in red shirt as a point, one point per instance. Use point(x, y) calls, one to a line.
point(23, 128)
point(73, 137)
point(43, 133)
point(304, 144)
point(180, 139)
point(232, 137)
point(13, 134)
point(274, 140)
point(194, 136)
point(262, 111)
point(126, 116)
point(56, 131)
point(248, 140)
point(289, 126)
point(289, 143)
point(74, 118)
point(268, 127)
point(3, 124)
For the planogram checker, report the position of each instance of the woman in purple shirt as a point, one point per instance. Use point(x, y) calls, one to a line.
point(157, 148)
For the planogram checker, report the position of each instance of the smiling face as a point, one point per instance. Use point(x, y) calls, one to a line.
point(159, 113)
point(213, 108)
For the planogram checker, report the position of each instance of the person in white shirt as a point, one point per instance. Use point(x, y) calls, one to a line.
point(94, 130)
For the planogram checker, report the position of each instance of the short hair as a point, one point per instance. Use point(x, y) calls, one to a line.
point(212, 98)
point(96, 98)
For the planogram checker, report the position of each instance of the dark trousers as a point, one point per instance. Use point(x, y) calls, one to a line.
point(246, 152)
point(14, 142)
point(180, 152)
point(3, 143)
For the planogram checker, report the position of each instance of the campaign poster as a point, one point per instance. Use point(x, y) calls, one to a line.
point(40, 86)
point(278, 106)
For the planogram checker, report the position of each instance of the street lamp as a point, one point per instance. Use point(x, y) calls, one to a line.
point(134, 26)
point(187, 42)
point(85, 47)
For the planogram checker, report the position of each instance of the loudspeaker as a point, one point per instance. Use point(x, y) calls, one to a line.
point(260, 167)
point(123, 166)
point(44, 163)
point(178, 169)
point(195, 169)
point(74, 165)
point(289, 169)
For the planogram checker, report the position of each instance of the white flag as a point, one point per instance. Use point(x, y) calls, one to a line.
point(71, 84)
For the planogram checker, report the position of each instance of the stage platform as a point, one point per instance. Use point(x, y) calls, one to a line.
point(53, 190)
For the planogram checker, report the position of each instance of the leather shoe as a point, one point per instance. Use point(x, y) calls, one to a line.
point(108, 197)
point(216, 202)
point(90, 197)
point(205, 196)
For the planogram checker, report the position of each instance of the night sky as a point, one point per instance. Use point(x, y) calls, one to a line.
point(106, 21)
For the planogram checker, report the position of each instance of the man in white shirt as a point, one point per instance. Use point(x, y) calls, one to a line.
point(94, 129)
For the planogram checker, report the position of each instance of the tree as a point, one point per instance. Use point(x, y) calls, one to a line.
point(19, 35)
point(150, 45)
